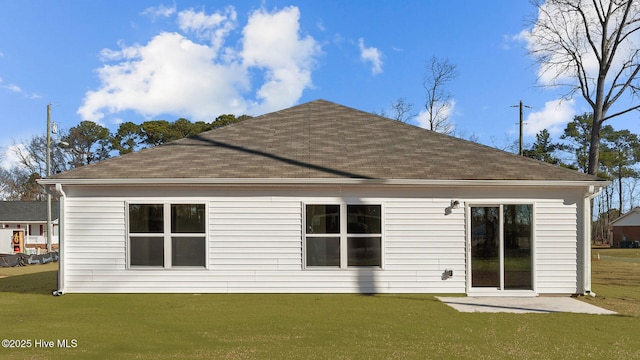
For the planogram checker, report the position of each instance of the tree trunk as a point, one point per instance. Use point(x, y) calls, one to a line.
point(620, 191)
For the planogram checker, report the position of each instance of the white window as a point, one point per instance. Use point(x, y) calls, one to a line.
point(341, 235)
point(167, 235)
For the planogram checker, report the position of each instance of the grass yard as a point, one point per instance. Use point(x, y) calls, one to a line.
point(615, 279)
point(229, 326)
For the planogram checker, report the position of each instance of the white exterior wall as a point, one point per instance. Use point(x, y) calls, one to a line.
point(255, 241)
point(556, 231)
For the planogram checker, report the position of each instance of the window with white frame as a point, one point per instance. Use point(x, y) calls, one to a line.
point(167, 235)
point(343, 235)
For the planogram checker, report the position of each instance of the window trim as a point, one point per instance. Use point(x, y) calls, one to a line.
point(343, 235)
point(167, 235)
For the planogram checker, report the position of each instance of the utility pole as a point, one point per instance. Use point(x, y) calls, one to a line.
point(48, 162)
point(521, 123)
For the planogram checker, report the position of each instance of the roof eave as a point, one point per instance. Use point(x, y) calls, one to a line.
point(321, 181)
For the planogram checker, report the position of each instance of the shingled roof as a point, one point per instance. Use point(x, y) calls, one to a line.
point(26, 211)
point(322, 140)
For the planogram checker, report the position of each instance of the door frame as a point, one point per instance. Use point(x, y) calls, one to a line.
point(490, 291)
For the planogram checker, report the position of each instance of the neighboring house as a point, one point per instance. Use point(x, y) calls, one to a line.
point(626, 228)
point(30, 217)
point(322, 198)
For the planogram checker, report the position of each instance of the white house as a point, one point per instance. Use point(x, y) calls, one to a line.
point(29, 217)
point(321, 198)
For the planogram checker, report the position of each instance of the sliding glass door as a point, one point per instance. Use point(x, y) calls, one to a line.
point(501, 245)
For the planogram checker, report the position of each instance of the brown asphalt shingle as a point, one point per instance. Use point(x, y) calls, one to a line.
point(321, 139)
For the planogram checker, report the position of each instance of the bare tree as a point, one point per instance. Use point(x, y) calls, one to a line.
point(18, 184)
point(402, 110)
point(439, 103)
point(32, 156)
point(462, 134)
point(589, 47)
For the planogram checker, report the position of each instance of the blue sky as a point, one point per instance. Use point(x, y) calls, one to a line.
point(112, 61)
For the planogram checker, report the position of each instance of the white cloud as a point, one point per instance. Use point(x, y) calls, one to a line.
point(554, 117)
point(371, 55)
point(170, 74)
point(508, 41)
point(173, 74)
point(159, 11)
point(214, 27)
point(272, 42)
point(18, 90)
point(11, 87)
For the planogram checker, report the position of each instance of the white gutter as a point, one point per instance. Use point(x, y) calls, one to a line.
point(61, 229)
point(319, 181)
point(589, 195)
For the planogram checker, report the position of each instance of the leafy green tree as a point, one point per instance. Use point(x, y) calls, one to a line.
point(88, 143)
point(227, 119)
point(577, 135)
point(156, 132)
point(543, 149)
point(127, 138)
point(620, 152)
point(182, 128)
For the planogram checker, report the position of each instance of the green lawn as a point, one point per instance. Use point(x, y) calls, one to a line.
point(230, 326)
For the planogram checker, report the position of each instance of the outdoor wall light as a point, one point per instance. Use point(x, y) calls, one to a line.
point(447, 274)
point(454, 205)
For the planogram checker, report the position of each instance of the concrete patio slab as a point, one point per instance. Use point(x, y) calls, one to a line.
point(522, 305)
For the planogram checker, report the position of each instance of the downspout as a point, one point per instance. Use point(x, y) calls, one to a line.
point(590, 195)
point(61, 229)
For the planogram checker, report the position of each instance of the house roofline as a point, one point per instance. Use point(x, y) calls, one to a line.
point(630, 212)
point(321, 181)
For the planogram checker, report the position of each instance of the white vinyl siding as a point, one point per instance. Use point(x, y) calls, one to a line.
point(421, 243)
point(255, 242)
point(94, 235)
point(255, 234)
point(556, 247)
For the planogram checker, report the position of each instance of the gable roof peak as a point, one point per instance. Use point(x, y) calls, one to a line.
point(321, 139)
